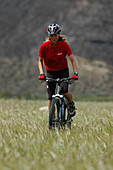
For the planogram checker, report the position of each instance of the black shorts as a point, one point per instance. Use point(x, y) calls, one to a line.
point(51, 86)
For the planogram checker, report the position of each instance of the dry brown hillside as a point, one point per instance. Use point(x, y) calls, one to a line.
point(21, 78)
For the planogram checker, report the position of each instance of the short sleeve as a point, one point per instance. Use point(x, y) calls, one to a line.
point(68, 49)
point(42, 51)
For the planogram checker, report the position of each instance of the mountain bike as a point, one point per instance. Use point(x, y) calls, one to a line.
point(58, 114)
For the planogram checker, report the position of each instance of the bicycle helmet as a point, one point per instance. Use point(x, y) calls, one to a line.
point(53, 29)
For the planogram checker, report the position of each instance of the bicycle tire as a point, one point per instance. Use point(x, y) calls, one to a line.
point(67, 118)
point(63, 116)
point(69, 122)
point(54, 104)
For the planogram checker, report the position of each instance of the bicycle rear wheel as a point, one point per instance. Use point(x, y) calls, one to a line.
point(54, 113)
point(67, 118)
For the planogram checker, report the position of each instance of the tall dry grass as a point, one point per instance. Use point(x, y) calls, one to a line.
point(26, 143)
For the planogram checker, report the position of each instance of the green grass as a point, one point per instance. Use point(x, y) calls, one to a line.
point(26, 143)
point(98, 98)
point(6, 94)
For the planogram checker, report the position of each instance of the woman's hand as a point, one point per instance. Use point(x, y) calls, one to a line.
point(42, 77)
point(75, 76)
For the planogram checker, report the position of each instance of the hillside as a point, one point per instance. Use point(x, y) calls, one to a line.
point(21, 78)
point(88, 25)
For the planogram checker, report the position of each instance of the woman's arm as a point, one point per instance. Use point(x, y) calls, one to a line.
point(73, 63)
point(40, 65)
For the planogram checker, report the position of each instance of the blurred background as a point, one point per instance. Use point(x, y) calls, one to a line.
point(88, 25)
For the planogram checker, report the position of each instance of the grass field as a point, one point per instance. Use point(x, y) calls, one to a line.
point(26, 143)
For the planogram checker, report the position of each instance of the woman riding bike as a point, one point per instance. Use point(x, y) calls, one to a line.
point(53, 52)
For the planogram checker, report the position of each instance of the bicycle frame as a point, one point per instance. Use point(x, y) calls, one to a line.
point(58, 81)
point(62, 102)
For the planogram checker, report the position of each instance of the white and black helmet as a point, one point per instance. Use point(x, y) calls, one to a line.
point(53, 29)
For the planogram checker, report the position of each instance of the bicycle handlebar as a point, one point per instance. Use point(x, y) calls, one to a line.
point(58, 80)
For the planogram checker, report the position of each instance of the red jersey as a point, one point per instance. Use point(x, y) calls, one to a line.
point(55, 57)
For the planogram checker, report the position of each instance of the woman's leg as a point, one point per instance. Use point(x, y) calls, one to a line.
point(68, 96)
point(71, 106)
point(49, 105)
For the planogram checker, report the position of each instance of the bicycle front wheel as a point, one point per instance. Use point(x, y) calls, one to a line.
point(54, 114)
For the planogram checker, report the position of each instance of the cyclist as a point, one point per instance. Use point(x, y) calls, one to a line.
point(53, 52)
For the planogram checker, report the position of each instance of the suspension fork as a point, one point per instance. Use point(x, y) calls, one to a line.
point(58, 88)
point(60, 109)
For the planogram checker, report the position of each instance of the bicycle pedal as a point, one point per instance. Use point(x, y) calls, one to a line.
point(71, 120)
